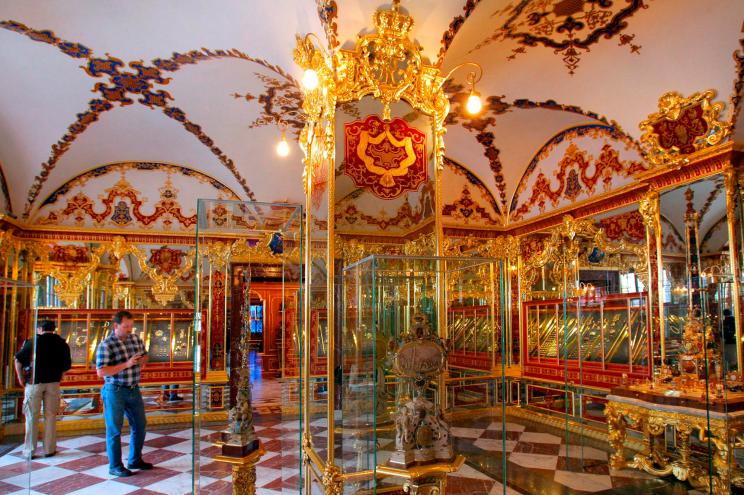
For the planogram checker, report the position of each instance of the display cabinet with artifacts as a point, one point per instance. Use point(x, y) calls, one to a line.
point(586, 318)
point(168, 337)
point(394, 362)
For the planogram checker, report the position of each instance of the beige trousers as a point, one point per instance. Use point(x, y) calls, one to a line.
point(48, 393)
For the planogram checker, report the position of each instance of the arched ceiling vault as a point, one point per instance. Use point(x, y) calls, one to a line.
point(203, 85)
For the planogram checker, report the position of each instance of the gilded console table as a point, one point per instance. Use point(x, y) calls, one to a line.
point(651, 413)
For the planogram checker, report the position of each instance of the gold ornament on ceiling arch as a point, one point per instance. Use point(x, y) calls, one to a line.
point(683, 126)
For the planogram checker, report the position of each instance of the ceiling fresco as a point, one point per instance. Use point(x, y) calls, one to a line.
point(97, 84)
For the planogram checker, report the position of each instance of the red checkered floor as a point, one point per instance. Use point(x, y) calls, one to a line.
point(81, 465)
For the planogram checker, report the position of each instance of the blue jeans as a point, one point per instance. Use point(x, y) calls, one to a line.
point(119, 401)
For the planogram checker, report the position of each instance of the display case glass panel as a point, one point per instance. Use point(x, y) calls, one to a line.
point(390, 305)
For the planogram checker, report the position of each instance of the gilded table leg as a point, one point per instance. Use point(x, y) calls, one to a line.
point(721, 463)
point(617, 434)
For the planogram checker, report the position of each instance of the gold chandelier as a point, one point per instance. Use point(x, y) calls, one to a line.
point(386, 64)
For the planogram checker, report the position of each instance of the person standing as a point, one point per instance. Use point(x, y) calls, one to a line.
point(119, 361)
point(40, 380)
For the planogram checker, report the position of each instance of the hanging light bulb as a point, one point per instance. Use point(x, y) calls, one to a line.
point(310, 79)
point(282, 147)
point(474, 104)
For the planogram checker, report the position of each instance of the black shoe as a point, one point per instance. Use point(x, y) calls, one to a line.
point(140, 465)
point(174, 398)
point(51, 455)
point(121, 472)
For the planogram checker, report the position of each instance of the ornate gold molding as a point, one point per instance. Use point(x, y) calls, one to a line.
point(562, 249)
point(682, 126)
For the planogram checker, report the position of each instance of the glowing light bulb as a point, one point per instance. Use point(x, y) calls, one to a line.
point(310, 79)
point(282, 147)
point(474, 104)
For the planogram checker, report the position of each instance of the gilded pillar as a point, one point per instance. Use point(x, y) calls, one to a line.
point(732, 183)
point(649, 210)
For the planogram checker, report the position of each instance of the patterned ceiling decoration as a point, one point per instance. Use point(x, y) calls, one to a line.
point(122, 206)
point(123, 87)
point(672, 240)
point(624, 226)
point(281, 102)
point(494, 106)
point(465, 210)
point(708, 245)
point(567, 26)
point(454, 27)
point(356, 213)
point(6, 205)
point(168, 168)
point(473, 180)
point(576, 171)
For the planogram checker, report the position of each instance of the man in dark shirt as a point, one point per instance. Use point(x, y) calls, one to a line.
point(41, 385)
point(119, 361)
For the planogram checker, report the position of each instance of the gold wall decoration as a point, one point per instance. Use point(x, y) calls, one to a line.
point(562, 248)
point(165, 286)
point(682, 126)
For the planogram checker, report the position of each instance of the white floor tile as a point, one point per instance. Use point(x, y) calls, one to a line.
point(534, 461)
point(495, 445)
point(530, 436)
point(584, 481)
point(39, 476)
point(108, 487)
point(466, 432)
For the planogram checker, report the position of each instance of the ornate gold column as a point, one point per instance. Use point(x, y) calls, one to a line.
point(649, 210)
point(732, 184)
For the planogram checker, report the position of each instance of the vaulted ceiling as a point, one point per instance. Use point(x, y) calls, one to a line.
point(93, 90)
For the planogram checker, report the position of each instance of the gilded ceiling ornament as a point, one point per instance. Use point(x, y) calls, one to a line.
point(682, 126)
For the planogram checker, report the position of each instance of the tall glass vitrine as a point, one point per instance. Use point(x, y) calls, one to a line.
point(249, 255)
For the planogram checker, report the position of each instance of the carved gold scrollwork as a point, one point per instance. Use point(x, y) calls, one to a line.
point(425, 245)
point(333, 480)
point(656, 460)
point(164, 288)
point(563, 246)
point(505, 247)
point(682, 126)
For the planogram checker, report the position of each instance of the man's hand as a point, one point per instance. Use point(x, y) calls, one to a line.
point(134, 360)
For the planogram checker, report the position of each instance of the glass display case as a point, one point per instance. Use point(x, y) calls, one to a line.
point(399, 308)
point(249, 266)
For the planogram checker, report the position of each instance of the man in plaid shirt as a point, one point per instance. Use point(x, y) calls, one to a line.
point(119, 360)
